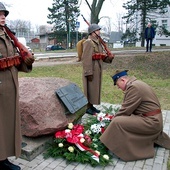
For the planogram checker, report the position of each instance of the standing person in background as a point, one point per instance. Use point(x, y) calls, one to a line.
point(92, 60)
point(149, 36)
point(10, 64)
point(138, 124)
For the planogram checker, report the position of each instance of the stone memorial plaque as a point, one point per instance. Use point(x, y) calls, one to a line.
point(72, 97)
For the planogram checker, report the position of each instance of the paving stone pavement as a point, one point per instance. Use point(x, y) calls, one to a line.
point(159, 162)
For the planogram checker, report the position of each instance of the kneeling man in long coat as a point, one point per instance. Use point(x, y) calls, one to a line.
point(138, 124)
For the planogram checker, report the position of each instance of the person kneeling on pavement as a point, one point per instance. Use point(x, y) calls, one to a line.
point(138, 125)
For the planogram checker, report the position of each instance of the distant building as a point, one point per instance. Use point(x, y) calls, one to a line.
point(35, 40)
point(115, 40)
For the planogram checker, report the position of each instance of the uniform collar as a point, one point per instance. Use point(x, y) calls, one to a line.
point(130, 81)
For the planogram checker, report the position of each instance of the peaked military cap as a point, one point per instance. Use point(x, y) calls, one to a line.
point(119, 74)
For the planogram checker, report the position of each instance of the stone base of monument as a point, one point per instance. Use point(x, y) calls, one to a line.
point(32, 147)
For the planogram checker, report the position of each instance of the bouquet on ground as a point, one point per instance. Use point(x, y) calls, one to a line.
point(81, 143)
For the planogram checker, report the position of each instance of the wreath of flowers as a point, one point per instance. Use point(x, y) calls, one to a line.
point(81, 143)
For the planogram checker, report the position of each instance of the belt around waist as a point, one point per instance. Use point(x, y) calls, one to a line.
point(8, 62)
point(152, 113)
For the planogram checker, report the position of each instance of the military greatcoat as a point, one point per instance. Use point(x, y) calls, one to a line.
point(92, 89)
point(131, 135)
point(10, 132)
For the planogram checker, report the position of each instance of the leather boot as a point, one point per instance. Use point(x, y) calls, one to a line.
point(95, 109)
point(6, 165)
point(90, 111)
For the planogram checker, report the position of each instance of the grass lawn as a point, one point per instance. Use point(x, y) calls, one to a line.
point(153, 68)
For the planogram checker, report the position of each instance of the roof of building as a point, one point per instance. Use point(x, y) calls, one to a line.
point(115, 36)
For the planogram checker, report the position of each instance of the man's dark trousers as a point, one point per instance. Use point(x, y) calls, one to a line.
point(148, 45)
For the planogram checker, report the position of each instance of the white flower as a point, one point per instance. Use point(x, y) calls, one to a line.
point(95, 139)
point(106, 119)
point(81, 135)
point(100, 116)
point(82, 140)
point(97, 152)
point(103, 124)
point(67, 131)
point(95, 128)
point(60, 145)
point(88, 132)
point(71, 149)
point(106, 157)
point(70, 125)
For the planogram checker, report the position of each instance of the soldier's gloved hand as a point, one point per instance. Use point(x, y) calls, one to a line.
point(90, 77)
point(29, 60)
point(112, 56)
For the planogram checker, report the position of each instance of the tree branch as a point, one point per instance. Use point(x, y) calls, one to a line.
point(88, 5)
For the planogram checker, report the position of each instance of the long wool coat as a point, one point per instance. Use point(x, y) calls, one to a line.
point(130, 135)
point(92, 89)
point(10, 132)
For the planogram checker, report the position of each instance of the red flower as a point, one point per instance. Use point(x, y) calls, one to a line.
point(60, 134)
point(78, 129)
point(109, 116)
point(88, 139)
point(73, 139)
point(100, 119)
point(73, 135)
point(102, 129)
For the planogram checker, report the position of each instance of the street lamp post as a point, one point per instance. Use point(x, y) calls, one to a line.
point(77, 27)
point(76, 35)
point(69, 26)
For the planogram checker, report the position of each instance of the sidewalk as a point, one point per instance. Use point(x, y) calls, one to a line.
point(159, 162)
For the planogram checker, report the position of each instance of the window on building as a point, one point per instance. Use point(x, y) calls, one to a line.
point(165, 23)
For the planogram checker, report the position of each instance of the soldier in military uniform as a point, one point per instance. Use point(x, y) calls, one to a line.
point(138, 124)
point(92, 60)
point(10, 64)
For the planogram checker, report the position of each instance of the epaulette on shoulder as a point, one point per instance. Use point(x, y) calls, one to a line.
point(89, 40)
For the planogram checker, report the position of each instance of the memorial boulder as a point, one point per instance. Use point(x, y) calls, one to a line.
point(42, 111)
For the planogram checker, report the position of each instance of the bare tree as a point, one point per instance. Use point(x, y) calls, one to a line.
point(19, 26)
point(95, 9)
point(107, 24)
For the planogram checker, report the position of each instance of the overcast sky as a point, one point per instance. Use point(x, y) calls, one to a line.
point(36, 11)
